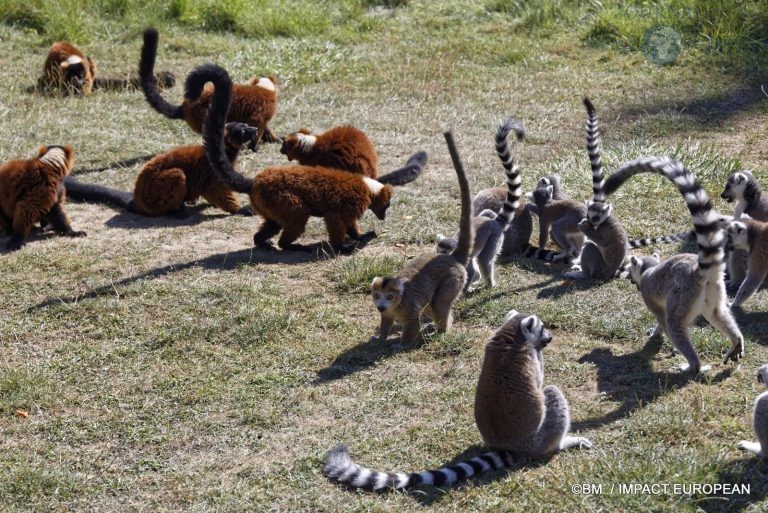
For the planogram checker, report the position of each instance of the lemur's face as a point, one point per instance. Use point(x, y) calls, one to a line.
point(736, 236)
point(598, 212)
point(239, 134)
point(637, 266)
point(734, 187)
point(387, 293)
point(297, 143)
point(445, 245)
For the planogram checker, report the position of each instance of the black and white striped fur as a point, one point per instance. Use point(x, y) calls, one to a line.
point(666, 239)
point(593, 150)
point(490, 226)
point(340, 468)
point(680, 289)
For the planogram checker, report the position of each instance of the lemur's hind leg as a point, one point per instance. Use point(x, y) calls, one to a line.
point(292, 231)
point(58, 218)
point(442, 303)
point(268, 229)
point(679, 332)
point(721, 318)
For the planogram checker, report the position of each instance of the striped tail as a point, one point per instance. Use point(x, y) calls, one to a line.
point(593, 150)
point(339, 467)
point(666, 239)
point(709, 236)
point(514, 186)
point(537, 253)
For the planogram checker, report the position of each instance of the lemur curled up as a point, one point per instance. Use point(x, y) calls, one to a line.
point(32, 191)
point(518, 417)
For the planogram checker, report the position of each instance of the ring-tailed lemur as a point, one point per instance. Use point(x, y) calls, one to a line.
point(685, 286)
point(603, 254)
point(429, 284)
point(490, 226)
point(752, 236)
point(517, 416)
point(759, 419)
point(743, 188)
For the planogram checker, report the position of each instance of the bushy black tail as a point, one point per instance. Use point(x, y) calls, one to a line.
point(666, 239)
point(213, 128)
point(147, 77)
point(92, 193)
point(163, 80)
point(410, 172)
point(339, 467)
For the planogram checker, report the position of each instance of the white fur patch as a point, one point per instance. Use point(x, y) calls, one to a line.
point(374, 186)
point(306, 142)
point(74, 59)
point(55, 157)
point(266, 83)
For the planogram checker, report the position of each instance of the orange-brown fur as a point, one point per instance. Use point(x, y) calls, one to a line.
point(342, 147)
point(288, 196)
point(251, 104)
point(58, 73)
point(32, 191)
point(182, 175)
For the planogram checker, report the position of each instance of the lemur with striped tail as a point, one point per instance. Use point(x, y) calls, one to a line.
point(684, 287)
point(603, 253)
point(518, 417)
point(489, 225)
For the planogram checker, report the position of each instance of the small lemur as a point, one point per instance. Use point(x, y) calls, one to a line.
point(288, 196)
point(32, 191)
point(518, 233)
point(347, 148)
point(683, 287)
point(429, 284)
point(518, 417)
point(490, 226)
point(254, 104)
point(605, 249)
point(171, 179)
point(68, 71)
point(759, 419)
point(752, 236)
point(743, 188)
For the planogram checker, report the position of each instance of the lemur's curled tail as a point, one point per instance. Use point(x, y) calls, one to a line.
point(709, 235)
point(537, 253)
point(514, 187)
point(147, 77)
point(93, 193)
point(593, 150)
point(213, 128)
point(408, 173)
point(666, 239)
point(340, 468)
point(466, 228)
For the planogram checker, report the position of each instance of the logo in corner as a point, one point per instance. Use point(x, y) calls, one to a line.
point(661, 45)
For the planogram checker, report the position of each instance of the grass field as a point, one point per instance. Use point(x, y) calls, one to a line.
point(169, 365)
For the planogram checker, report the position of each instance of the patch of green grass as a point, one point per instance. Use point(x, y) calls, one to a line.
point(355, 274)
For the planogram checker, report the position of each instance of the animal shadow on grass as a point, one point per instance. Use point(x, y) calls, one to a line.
point(220, 261)
point(192, 216)
point(564, 286)
point(120, 163)
point(362, 356)
point(750, 471)
point(630, 380)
